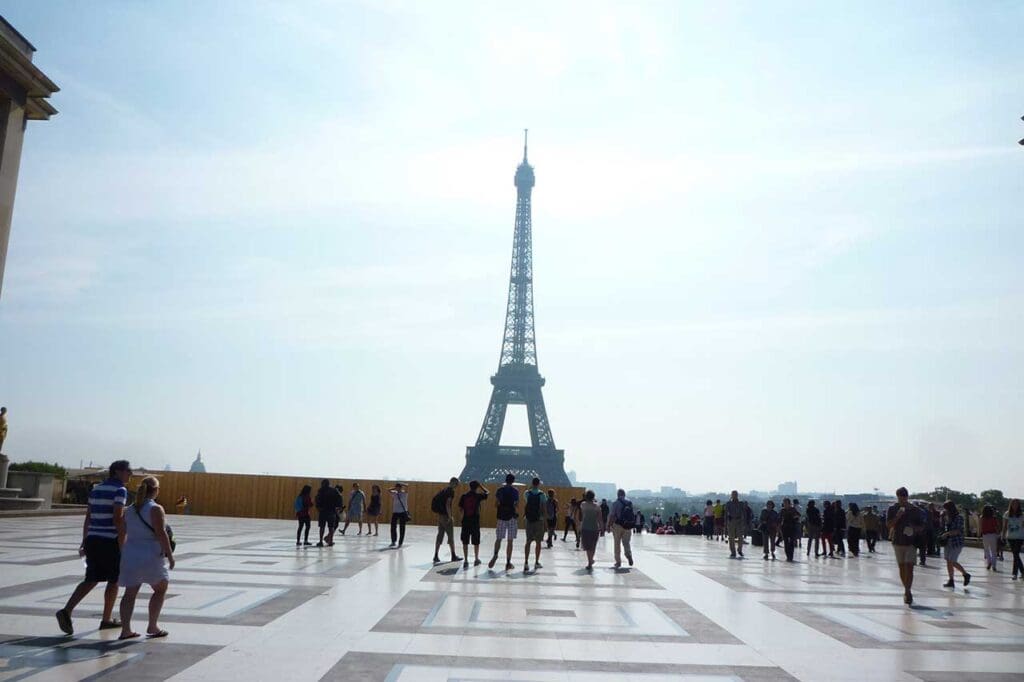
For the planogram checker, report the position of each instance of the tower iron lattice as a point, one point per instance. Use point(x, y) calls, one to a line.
point(518, 381)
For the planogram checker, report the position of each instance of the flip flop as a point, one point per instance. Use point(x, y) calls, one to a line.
point(155, 635)
point(109, 624)
point(131, 635)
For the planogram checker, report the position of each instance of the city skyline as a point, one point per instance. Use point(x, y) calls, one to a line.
point(771, 244)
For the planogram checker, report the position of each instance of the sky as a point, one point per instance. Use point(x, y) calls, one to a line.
point(771, 241)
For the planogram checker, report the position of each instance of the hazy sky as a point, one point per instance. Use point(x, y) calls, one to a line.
point(772, 241)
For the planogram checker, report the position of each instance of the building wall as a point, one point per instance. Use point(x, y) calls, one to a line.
point(272, 497)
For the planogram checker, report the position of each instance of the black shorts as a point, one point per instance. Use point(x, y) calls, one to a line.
point(329, 520)
point(102, 560)
point(470, 531)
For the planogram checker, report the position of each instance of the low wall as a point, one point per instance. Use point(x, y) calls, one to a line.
point(272, 497)
point(32, 484)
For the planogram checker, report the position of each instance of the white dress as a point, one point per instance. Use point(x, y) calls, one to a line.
point(142, 560)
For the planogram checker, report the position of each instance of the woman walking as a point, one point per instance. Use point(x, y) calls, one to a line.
point(570, 521)
point(709, 520)
point(839, 532)
point(399, 513)
point(1013, 533)
point(789, 525)
point(828, 526)
point(356, 502)
point(373, 511)
point(813, 528)
point(953, 536)
point(591, 522)
point(303, 505)
point(990, 536)
point(146, 546)
point(854, 528)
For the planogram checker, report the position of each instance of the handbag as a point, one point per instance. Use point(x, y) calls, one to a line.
point(167, 528)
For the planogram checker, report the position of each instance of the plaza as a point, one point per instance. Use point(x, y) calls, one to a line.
point(245, 603)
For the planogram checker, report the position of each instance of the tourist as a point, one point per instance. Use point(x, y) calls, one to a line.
point(327, 502)
point(605, 510)
point(855, 527)
point(828, 527)
point(303, 505)
point(709, 520)
point(102, 535)
point(551, 516)
point(1013, 533)
point(3, 427)
point(591, 522)
point(570, 521)
point(813, 528)
point(508, 523)
point(339, 512)
point(932, 530)
point(871, 525)
point(719, 510)
point(800, 514)
point(356, 503)
point(839, 532)
point(620, 522)
point(789, 527)
point(768, 524)
point(373, 511)
point(441, 504)
point(735, 520)
point(399, 513)
point(953, 536)
point(145, 547)
point(904, 521)
point(990, 536)
point(469, 504)
point(534, 509)
point(639, 524)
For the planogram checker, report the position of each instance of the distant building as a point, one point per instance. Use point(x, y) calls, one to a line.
point(640, 492)
point(787, 488)
point(605, 491)
point(670, 492)
point(197, 466)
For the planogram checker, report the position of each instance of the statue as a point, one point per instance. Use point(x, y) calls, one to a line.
point(197, 466)
point(3, 427)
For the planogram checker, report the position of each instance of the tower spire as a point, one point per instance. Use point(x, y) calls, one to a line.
point(526, 137)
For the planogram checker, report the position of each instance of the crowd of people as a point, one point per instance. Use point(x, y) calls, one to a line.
point(915, 532)
point(128, 545)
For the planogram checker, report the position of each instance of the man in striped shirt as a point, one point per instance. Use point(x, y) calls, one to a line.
point(102, 536)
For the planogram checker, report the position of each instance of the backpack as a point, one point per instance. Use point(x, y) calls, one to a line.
point(470, 504)
point(627, 519)
point(298, 504)
point(533, 500)
point(437, 505)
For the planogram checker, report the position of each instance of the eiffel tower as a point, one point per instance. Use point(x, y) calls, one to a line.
point(518, 382)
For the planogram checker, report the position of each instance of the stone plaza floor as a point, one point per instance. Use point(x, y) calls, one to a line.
point(246, 604)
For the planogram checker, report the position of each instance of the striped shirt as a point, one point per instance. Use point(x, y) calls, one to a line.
point(102, 500)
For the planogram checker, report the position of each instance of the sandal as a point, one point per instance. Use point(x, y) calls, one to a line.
point(130, 635)
point(109, 624)
point(157, 634)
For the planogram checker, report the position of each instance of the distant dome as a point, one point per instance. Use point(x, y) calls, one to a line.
point(197, 466)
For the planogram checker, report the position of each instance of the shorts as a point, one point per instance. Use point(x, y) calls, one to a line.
point(905, 554)
point(470, 530)
point(507, 529)
point(953, 553)
point(102, 559)
point(535, 530)
point(589, 538)
point(329, 520)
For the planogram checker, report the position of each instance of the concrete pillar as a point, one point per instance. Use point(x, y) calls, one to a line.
point(12, 132)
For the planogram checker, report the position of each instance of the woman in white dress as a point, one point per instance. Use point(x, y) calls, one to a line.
point(146, 546)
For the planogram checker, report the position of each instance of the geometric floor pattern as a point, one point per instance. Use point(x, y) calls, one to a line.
point(245, 603)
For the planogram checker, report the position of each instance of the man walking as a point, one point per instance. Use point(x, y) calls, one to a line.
point(905, 522)
point(442, 506)
point(735, 522)
point(328, 501)
point(535, 508)
point(470, 503)
point(103, 533)
point(508, 524)
point(552, 516)
point(621, 521)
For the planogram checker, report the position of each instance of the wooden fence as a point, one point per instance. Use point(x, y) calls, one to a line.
point(273, 497)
